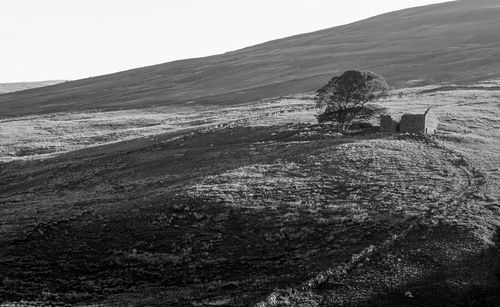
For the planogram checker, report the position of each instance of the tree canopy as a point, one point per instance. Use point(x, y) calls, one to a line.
point(345, 98)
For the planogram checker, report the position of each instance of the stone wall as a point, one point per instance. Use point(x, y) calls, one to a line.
point(388, 125)
point(431, 122)
point(412, 123)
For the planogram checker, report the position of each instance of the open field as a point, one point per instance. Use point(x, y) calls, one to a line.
point(42, 136)
point(253, 205)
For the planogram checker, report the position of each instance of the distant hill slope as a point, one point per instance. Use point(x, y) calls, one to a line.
point(450, 42)
point(21, 86)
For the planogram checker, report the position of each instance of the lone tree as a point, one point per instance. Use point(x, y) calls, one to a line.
point(345, 98)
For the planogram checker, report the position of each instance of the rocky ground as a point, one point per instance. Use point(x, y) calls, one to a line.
point(262, 208)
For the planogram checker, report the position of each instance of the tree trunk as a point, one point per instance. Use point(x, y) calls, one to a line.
point(342, 127)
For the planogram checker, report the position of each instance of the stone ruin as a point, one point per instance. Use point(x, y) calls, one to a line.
point(412, 123)
point(388, 125)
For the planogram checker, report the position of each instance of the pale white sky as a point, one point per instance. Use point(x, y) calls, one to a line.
point(71, 39)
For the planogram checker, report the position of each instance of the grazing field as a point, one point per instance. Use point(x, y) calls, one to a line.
point(253, 205)
point(42, 136)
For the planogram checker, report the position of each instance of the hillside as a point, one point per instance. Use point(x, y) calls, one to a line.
point(254, 204)
point(451, 42)
point(21, 86)
point(209, 182)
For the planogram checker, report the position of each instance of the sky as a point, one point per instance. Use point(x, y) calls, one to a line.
point(72, 39)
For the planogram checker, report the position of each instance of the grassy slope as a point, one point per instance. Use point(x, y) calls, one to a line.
point(21, 86)
point(45, 135)
point(451, 42)
point(225, 216)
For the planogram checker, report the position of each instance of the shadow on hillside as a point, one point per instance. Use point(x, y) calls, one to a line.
point(473, 281)
point(146, 245)
point(177, 252)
